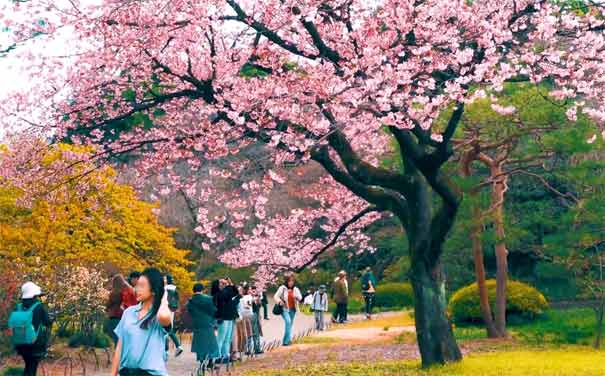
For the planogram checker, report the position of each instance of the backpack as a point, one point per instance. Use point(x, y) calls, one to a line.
point(365, 284)
point(21, 324)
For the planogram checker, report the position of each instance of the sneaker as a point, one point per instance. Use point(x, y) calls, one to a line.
point(257, 352)
point(178, 352)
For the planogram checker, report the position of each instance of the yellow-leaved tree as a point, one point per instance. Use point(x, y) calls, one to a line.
point(64, 211)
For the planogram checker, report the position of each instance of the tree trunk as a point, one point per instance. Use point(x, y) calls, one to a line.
point(433, 329)
point(476, 230)
point(498, 190)
point(486, 310)
point(599, 336)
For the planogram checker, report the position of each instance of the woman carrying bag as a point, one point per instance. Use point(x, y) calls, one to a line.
point(287, 298)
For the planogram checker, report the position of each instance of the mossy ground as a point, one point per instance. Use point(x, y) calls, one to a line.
point(572, 361)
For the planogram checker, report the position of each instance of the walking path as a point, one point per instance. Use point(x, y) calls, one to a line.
point(273, 330)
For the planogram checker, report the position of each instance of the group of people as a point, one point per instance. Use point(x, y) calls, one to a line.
point(140, 319)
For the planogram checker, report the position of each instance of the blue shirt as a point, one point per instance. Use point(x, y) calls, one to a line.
point(142, 348)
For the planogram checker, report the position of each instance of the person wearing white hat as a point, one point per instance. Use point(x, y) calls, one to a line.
point(32, 353)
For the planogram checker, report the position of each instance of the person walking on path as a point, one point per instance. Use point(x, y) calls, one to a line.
point(287, 297)
point(368, 290)
point(121, 297)
point(202, 310)
point(341, 297)
point(249, 318)
point(226, 298)
point(243, 324)
point(30, 328)
point(319, 305)
point(173, 304)
point(265, 303)
point(143, 329)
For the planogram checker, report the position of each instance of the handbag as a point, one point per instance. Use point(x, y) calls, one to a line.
point(278, 310)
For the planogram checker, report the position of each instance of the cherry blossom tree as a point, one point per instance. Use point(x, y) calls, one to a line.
point(337, 82)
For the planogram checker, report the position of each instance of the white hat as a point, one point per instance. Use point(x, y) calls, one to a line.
point(30, 290)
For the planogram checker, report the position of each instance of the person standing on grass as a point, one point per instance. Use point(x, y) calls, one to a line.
point(319, 305)
point(30, 325)
point(143, 329)
point(173, 304)
point(288, 296)
point(368, 290)
point(226, 298)
point(121, 297)
point(202, 310)
point(341, 297)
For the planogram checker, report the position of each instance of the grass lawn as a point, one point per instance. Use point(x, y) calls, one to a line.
point(399, 319)
point(571, 360)
point(555, 326)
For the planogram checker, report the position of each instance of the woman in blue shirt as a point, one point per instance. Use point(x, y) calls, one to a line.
point(143, 329)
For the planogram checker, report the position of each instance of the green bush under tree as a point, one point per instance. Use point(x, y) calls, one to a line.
point(521, 300)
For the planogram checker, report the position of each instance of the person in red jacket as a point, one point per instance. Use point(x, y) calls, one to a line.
point(121, 297)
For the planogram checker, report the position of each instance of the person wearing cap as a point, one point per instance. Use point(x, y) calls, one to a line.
point(341, 297)
point(319, 305)
point(34, 353)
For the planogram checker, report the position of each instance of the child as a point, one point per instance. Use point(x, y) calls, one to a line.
point(319, 306)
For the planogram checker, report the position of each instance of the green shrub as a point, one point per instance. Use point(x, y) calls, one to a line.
point(394, 295)
point(521, 299)
point(97, 339)
point(13, 371)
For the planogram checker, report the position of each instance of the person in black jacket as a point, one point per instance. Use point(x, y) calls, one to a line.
point(226, 298)
point(33, 354)
point(265, 303)
point(202, 310)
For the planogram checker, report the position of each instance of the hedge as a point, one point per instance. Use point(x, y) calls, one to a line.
point(394, 295)
point(521, 299)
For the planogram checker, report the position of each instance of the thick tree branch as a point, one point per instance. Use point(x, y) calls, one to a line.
point(266, 32)
point(363, 171)
point(382, 199)
point(341, 230)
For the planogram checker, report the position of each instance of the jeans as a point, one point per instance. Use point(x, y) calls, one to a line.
point(224, 338)
point(369, 298)
point(340, 314)
point(319, 320)
point(254, 341)
point(288, 316)
point(265, 311)
point(174, 339)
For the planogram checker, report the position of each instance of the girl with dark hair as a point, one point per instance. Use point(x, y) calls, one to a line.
point(143, 329)
point(288, 296)
point(121, 297)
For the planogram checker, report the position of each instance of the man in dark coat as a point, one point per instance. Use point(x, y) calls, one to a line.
point(202, 311)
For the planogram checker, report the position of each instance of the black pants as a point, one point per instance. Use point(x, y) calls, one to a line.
point(133, 372)
point(175, 338)
point(340, 314)
point(32, 357)
point(369, 298)
point(265, 311)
